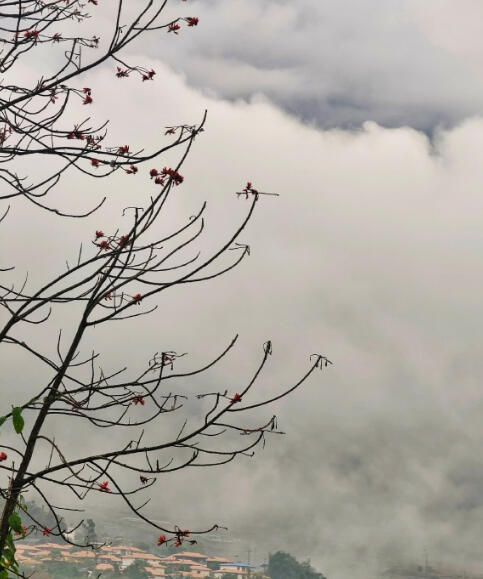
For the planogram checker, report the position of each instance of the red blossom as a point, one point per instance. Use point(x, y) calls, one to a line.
point(87, 100)
point(95, 162)
point(178, 543)
point(76, 135)
point(122, 72)
point(167, 360)
point(137, 299)
point(138, 400)
point(31, 34)
point(249, 189)
point(149, 75)
point(236, 398)
point(170, 131)
point(108, 296)
point(95, 2)
point(46, 531)
point(159, 180)
point(3, 456)
point(144, 481)
point(104, 244)
point(161, 540)
point(153, 173)
point(192, 20)
point(91, 141)
point(175, 176)
point(132, 169)
point(57, 37)
point(104, 487)
point(123, 150)
point(173, 27)
point(99, 234)
point(123, 241)
point(86, 90)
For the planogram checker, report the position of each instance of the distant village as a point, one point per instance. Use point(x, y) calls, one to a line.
point(111, 559)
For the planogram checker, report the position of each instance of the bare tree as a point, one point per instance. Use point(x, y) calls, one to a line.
point(119, 277)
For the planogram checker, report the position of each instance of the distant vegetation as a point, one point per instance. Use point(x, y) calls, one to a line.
point(282, 565)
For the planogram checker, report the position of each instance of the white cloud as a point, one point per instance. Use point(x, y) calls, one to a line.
point(371, 255)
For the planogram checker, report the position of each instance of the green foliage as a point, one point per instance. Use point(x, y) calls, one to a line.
point(61, 570)
point(136, 571)
point(229, 576)
point(15, 522)
point(8, 557)
point(282, 565)
point(213, 565)
point(17, 419)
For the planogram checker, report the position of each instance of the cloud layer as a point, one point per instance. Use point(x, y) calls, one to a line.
point(371, 255)
point(340, 64)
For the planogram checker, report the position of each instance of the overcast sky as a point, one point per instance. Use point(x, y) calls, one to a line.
point(339, 64)
point(365, 116)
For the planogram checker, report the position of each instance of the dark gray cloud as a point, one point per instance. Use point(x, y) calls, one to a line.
point(339, 63)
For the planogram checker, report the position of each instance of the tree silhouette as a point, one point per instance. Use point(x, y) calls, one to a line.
point(118, 277)
point(282, 565)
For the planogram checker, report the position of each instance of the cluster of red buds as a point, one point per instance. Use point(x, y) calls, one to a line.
point(236, 398)
point(104, 487)
point(190, 20)
point(138, 399)
point(3, 456)
point(87, 95)
point(92, 141)
point(30, 34)
point(105, 243)
point(76, 134)
point(193, 129)
point(249, 189)
point(179, 537)
point(143, 72)
point(160, 176)
point(136, 299)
